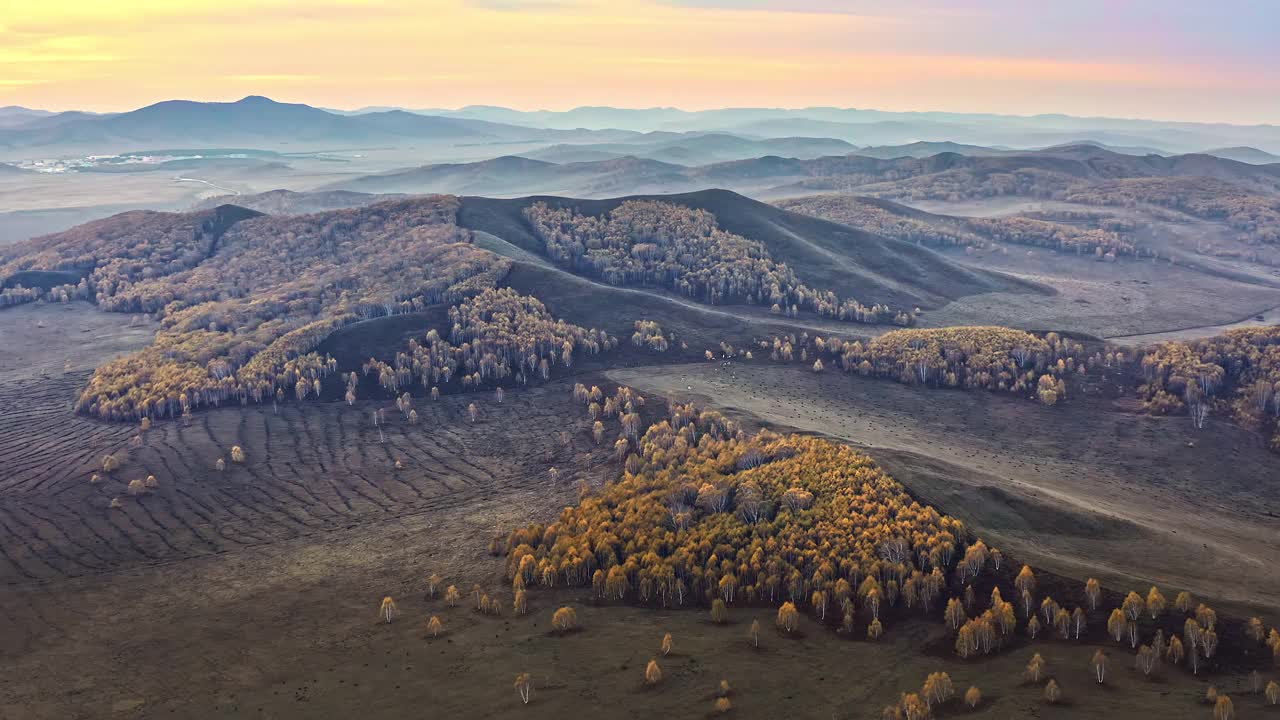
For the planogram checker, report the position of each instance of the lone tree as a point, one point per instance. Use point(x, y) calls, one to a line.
point(754, 634)
point(874, 630)
point(666, 644)
point(434, 626)
point(1093, 591)
point(452, 597)
point(1273, 693)
point(719, 614)
point(220, 465)
point(524, 686)
point(788, 617)
point(433, 585)
point(1099, 663)
point(1224, 709)
point(110, 464)
point(1052, 693)
point(972, 697)
point(473, 412)
point(564, 619)
point(237, 454)
point(1035, 668)
point(388, 611)
point(652, 673)
point(722, 705)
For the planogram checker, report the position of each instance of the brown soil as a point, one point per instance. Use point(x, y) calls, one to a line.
point(254, 592)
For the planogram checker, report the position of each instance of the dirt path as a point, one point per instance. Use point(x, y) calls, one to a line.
point(1262, 319)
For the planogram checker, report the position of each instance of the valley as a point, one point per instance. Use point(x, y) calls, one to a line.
point(374, 414)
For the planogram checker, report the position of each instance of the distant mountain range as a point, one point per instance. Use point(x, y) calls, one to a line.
point(261, 122)
point(668, 134)
point(876, 127)
point(1037, 172)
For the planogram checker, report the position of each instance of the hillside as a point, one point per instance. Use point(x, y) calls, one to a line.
point(509, 175)
point(288, 202)
point(1100, 236)
point(1250, 155)
point(823, 254)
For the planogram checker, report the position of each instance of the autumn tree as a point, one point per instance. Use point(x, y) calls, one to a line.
point(754, 633)
point(237, 454)
point(937, 689)
point(1224, 709)
point(874, 630)
point(954, 614)
point(1093, 591)
point(972, 697)
point(1052, 693)
point(1273, 693)
point(666, 644)
point(388, 610)
point(722, 705)
point(652, 673)
point(1099, 664)
point(788, 617)
point(434, 626)
point(1035, 668)
point(564, 619)
point(719, 614)
point(1155, 602)
point(452, 596)
point(1146, 660)
point(524, 686)
point(1183, 602)
point(1025, 583)
point(1117, 625)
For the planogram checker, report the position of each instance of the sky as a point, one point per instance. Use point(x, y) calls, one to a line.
point(1168, 59)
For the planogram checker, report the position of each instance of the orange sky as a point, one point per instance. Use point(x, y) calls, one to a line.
point(988, 55)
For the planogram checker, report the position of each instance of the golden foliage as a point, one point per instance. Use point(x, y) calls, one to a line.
point(565, 619)
point(652, 673)
point(241, 313)
point(1238, 371)
point(971, 357)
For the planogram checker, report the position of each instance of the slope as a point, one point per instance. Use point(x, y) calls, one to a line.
point(823, 254)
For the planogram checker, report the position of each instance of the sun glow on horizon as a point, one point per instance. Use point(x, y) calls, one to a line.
point(980, 56)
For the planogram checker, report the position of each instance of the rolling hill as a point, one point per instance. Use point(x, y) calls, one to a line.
point(694, 148)
point(823, 254)
point(1035, 173)
point(288, 202)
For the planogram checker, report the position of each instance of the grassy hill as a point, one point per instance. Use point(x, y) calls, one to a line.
point(824, 254)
